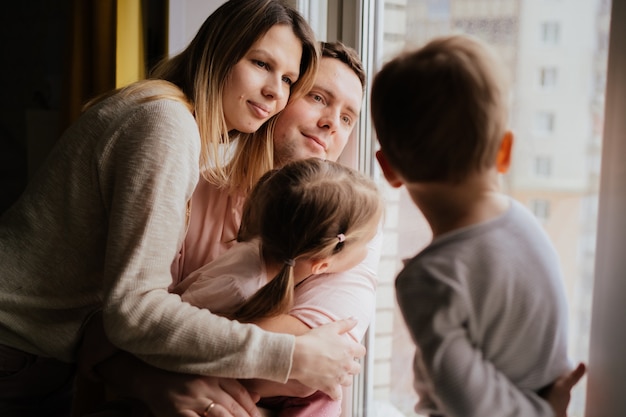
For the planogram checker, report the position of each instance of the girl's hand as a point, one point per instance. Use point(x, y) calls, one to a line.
point(325, 360)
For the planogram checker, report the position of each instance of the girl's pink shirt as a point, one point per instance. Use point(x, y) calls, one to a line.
point(318, 300)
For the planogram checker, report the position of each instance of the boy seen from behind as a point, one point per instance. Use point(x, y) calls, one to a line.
point(484, 301)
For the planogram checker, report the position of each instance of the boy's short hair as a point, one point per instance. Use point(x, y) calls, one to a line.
point(347, 55)
point(440, 111)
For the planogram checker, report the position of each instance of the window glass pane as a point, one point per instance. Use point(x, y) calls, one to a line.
point(548, 78)
point(555, 52)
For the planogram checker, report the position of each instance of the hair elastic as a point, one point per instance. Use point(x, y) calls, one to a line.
point(341, 237)
point(289, 262)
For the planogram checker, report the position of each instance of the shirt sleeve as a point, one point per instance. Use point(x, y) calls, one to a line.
point(450, 370)
point(226, 283)
point(329, 297)
point(147, 173)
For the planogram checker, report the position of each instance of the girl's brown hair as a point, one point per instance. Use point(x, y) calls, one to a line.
point(307, 209)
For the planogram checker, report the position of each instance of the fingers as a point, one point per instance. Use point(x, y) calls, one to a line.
point(573, 377)
point(239, 402)
point(343, 326)
point(335, 392)
point(355, 368)
point(358, 350)
point(216, 410)
point(325, 358)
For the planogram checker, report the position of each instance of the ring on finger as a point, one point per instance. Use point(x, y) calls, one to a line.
point(208, 408)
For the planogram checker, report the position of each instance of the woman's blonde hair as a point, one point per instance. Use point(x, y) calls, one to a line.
point(201, 71)
point(308, 209)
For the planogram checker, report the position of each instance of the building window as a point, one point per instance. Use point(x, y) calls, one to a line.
point(548, 78)
point(543, 166)
point(544, 123)
point(550, 33)
point(540, 208)
point(527, 35)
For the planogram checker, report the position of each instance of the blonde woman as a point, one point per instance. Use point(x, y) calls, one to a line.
point(97, 229)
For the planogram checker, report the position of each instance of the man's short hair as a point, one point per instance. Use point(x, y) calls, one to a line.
point(347, 55)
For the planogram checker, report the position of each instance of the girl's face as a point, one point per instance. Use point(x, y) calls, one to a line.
point(258, 86)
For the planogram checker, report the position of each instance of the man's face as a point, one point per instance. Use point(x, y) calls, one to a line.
point(319, 124)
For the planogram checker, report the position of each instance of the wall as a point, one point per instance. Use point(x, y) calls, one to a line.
point(33, 35)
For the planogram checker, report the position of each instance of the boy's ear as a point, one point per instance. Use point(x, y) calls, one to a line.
point(390, 175)
point(503, 158)
point(319, 266)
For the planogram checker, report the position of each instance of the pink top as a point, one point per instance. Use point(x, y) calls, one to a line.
point(318, 300)
point(224, 284)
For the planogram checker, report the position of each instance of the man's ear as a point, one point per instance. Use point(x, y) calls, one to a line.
point(390, 175)
point(503, 158)
point(319, 266)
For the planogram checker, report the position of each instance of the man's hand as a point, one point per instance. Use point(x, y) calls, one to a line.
point(325, 360)
point(559, 393)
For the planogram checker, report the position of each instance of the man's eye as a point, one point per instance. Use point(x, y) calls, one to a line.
point(347, 120)
point(317, 97)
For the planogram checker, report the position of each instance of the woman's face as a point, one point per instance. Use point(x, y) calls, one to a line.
point(258, 86)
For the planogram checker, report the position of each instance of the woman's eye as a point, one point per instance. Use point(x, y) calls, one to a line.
point(260, 64)
point(317, 97)
point(347, 120)
point(288, 81)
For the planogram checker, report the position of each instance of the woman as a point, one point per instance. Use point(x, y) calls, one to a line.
point(99, 226)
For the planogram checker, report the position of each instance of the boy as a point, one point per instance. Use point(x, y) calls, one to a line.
point(484, 301)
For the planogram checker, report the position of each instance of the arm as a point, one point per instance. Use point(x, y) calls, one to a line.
point(146, 177)
point(558, 394)
point(292, 388)
point(322, 300)
point(169, 394)
point(448, 366)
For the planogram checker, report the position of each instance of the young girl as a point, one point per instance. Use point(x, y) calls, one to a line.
point(307, 218)
point(98, 228)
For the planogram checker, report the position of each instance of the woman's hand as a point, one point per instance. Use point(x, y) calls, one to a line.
point(170, 394)
point(325, 360)
point(559, 393)
point(190, 396)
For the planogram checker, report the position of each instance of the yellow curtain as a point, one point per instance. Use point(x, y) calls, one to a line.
point(90, 68)
point(130, 53)
point(108, 40)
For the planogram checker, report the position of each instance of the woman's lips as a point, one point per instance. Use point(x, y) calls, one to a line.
point(260, 110)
